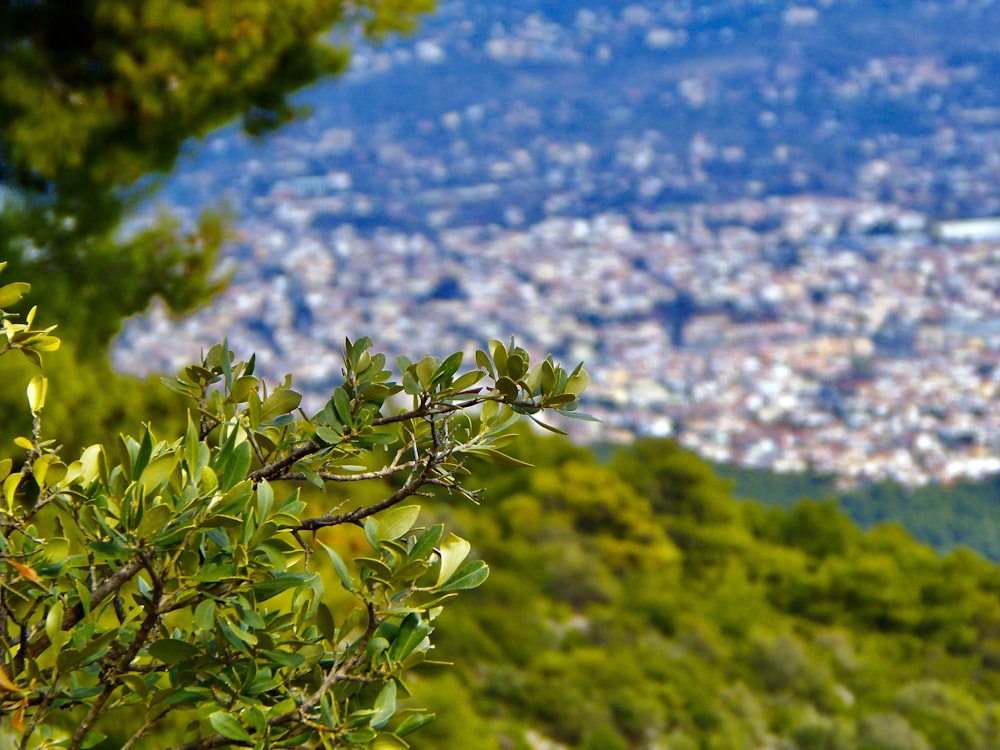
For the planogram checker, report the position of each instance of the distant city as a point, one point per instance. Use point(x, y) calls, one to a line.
point(765, 228)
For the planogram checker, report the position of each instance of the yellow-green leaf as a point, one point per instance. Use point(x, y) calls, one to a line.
point(153, 520)
point(11, 293)
point(38, 386)
point(10, 487)
point(452, 553)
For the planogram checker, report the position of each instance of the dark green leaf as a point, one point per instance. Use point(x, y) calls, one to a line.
point(426, 543)
point(447, 369)
point(172, 650)
point(411, 634)
point(284, 658)
point(507, 388)
point(143, 454)
point(377, 567)
point(342, 406)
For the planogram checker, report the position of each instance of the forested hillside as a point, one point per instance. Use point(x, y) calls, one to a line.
point(962, 514)
point(637, 604)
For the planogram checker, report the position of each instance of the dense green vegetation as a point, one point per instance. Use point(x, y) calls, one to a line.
point(636, 602)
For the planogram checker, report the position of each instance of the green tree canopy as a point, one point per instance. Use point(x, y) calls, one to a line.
point(96, 99)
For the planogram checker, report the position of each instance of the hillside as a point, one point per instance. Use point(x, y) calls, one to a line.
point(638, 605)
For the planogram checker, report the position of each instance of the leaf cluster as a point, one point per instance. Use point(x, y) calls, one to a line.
point(156, 586)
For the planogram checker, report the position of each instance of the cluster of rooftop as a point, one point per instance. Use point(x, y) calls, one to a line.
point(847, 337)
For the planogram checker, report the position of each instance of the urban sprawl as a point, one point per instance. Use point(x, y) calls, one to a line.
point(722, 285)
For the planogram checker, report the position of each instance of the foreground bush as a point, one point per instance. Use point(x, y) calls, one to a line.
point(154, 588)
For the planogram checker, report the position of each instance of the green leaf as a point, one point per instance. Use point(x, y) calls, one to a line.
point(328, 435)
point(372, 528)
point(386, 741)
point(342, 406)
point(360, 736)
point(546, 426)
point(452, 553)
point(265, 500)
point(10, 486)
point(338, 564)
point(469, 577)
point(426, 543)
point(385, 705)
point(483, 360)
point(375, 647)
point(507, 388)
point(380, 569)
point(396, 522)
point(284, 658)
point(499, 355)
point(143, 455)
point(578, 381)
point(516, 367)
point(412, 632)
point(242, 387)
point(447, 369)
point(279, 583)
point(53, 621)
point(93, 739)
point(559, 399)
point(204, 615)
point(172, 650)
point(278, 403)
point(254, 409)
point(106, 550)
point(136, 684)
point(227, 725)
point(324, 621)
point(68, 658)
point(237, 466)
point(425, 370)
point(412, 723)
point(466, 381)
point(90, 464)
